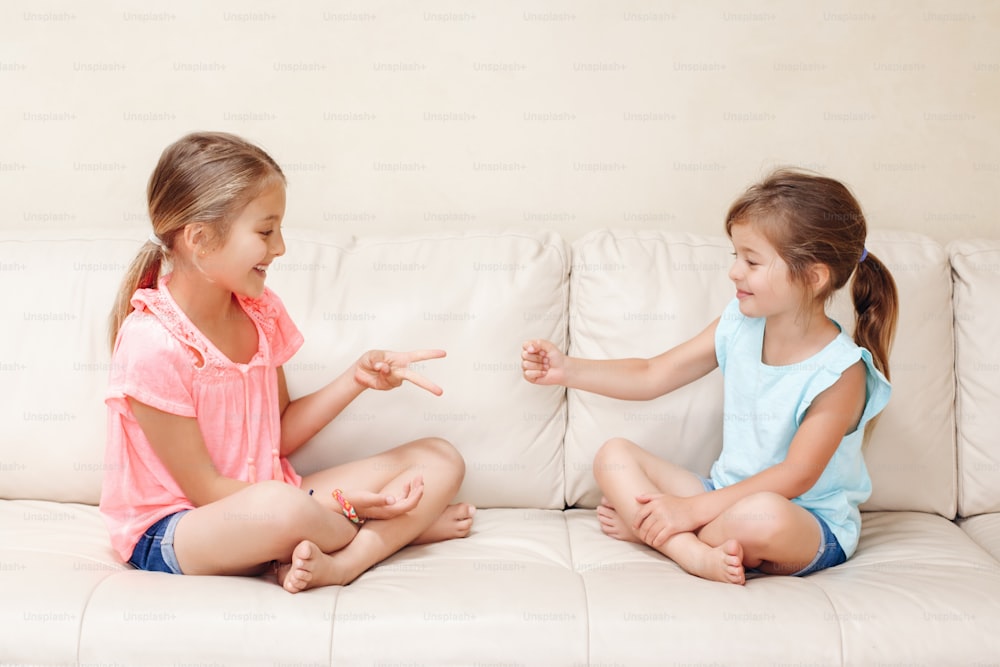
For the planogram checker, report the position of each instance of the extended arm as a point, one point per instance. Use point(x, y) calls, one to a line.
point(629, 379)
point(303, 418)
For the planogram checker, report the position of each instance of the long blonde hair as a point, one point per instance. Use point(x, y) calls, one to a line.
point(204, 177)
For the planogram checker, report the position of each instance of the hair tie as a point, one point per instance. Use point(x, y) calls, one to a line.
point(155, 240)
point(864, 255)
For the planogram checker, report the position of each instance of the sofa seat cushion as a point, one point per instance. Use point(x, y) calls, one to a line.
point(53, 556)
point(531, 587)
point(985, 530)
point(67, 601)
point(643, 607)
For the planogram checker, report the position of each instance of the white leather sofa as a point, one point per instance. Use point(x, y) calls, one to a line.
point(536, 583)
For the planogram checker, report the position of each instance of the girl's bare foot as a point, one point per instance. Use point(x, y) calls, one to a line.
point(455, 522)
point(613, 525)
point(310, 567)
point(723, 563)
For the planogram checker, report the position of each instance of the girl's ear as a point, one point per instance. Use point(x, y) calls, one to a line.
point(819, 277)
point(195, 237)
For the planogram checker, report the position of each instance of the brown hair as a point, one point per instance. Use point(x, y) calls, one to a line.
point(206, 177)
point(812, 219)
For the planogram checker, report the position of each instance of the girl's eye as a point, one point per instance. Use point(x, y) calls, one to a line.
point(267, 233)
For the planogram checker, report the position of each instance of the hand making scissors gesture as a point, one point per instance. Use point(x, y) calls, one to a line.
point(383, 370)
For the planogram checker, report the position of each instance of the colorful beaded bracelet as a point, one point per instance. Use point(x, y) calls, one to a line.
point(347, 507)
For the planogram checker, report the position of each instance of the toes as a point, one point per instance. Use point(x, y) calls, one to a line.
point(302, 552)
point(463, 527)
point(292, 584)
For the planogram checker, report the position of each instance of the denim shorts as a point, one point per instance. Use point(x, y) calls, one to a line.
point(830, 552)
point(154, 552)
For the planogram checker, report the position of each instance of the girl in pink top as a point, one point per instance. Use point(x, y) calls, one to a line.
point(200, 423)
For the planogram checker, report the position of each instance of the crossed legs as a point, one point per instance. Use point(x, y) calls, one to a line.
point(764, 530)
point(309, 537)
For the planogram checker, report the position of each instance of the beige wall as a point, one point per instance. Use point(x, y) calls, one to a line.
point(402, 116)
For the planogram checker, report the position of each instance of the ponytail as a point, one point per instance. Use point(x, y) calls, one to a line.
point(876, 302)
point(144, 272)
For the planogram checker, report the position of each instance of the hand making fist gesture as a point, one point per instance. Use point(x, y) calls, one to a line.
point(542, 362)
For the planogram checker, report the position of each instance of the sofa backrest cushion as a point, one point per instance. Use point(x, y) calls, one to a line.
point(475, 295)
point(976, 265)
point(639, 293)
point(54, 360)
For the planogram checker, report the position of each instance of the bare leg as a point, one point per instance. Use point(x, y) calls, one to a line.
point(613, 525)
point(624, 470)
point(723, 562)
point(269, 521)
point(442, 469)
point(309, 566)
point(242, 533)
point(454, 522)
point(765, 531)
point(777, 536)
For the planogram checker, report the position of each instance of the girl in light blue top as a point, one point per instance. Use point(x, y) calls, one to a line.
point(783, 495)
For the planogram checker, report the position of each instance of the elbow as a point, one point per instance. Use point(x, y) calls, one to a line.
point(797, 490)
point(800, 483)
point(208, 490)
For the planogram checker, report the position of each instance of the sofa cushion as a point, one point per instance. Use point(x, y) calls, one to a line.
point(635, 294)
point(53, 556)
point(67, 601)
point(54, 360)
point(507, 595)
point(639, 293)
point(985, 530)
point(918, 591)
point(976, 270)
point(475, 295)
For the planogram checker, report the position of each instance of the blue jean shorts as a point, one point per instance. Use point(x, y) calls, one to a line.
point(830, 552)
point(154, 552)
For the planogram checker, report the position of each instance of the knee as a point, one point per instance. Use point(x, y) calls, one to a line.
point(758, 518)
point(283, 508)
point(612, 456)
point(273, 494)
point(441, 454)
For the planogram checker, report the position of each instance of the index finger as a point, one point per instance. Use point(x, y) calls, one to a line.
point(423, 355)
point(422, 382)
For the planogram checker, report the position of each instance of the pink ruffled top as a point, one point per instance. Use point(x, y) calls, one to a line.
point(162, 360)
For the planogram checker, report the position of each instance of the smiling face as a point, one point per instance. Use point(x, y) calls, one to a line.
point(763, 282)
point(254, 239)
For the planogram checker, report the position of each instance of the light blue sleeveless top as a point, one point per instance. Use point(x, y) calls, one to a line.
point(764, 406)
